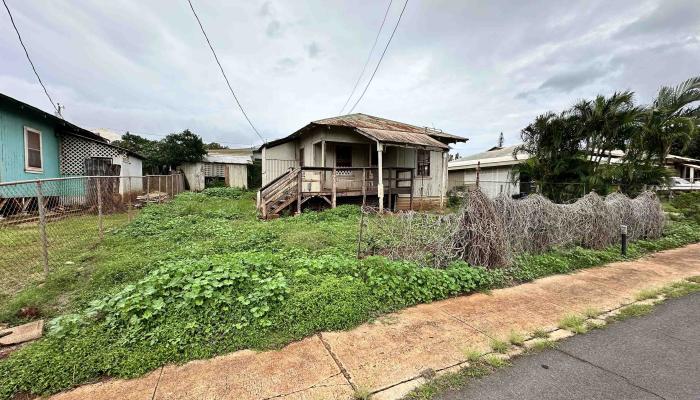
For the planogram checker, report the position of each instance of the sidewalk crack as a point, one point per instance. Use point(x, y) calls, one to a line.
point(318, 384)
point(629, 382)
point(467, 324)
point(155, 389)
point(337, 361)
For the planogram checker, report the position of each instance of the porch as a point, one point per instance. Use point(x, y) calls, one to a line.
point(301, 184)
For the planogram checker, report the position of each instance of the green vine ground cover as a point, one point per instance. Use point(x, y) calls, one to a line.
point(201, 276)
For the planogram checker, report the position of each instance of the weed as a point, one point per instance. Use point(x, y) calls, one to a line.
point(542, 344)
point(540, 333)
point(448, 381)
point(516, 338)
point(473, 355)
point(694, 279)
point(362, 394)
point(680, 289)
point(500, 346)
point(495, 361)
point(574, 323)
point(591, 312)
point(647, 294)
point(633, 310)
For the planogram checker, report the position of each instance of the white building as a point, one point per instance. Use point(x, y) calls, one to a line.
point(217, 165)
point(495, 171)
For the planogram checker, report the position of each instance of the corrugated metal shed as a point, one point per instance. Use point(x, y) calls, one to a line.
point(382, 130)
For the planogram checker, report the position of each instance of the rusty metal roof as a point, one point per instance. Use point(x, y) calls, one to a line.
point(400, 137)
point(383, 130)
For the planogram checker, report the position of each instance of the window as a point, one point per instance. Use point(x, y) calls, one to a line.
point(33, 159)
point(343, 156)
point(301, 157)
point(423, 163)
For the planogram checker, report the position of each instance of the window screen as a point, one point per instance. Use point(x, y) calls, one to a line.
point(33, 149)
point(423, 163)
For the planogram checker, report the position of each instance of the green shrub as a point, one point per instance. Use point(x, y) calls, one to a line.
point(225, 192)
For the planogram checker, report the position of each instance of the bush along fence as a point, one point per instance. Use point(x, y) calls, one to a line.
point(492, 232)
point(49, 222)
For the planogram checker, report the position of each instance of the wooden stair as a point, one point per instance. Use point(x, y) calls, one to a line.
point(279, 194)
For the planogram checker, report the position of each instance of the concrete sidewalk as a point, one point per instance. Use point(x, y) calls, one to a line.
point(388, 356)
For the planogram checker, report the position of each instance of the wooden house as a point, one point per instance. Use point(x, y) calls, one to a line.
point(38, 145)
point(357, 157)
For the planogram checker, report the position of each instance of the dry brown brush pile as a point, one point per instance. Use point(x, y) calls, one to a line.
point(490, 232)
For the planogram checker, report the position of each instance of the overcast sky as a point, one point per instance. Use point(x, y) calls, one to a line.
point(472, 68)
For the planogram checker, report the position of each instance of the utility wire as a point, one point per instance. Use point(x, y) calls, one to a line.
point(222, 71)
point(380, 58)
point(369, 56)
point(29, 58)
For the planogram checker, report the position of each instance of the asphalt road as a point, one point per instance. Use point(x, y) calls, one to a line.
point(651, 357)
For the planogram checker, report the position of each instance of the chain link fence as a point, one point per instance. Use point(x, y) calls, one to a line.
point(48, 223)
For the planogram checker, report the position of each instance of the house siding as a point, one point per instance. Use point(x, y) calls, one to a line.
point(12, 147)
point(492, 181)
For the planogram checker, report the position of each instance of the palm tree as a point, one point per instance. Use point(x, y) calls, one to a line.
point(672, 119)
point(606, 124)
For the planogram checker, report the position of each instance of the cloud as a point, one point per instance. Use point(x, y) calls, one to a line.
point(266, 9)
point(286, 64)
point(470, 68)
point(569, 80)
point(669, 16)
point(313, 49)
point(274, 29)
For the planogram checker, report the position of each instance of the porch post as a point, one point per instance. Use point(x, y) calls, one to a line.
point(380, 177)
point(443, 183)
point(323, 164)
point(364, 186)
point(334, 195)
point(692, 175)
point(299, 188)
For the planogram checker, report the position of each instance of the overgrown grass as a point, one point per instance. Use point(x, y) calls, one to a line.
point(201, 276)
point(633, 310)
point(446, 382)
point(574, 323)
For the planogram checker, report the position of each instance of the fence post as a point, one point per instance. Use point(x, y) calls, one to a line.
point(128, 193)
point(159, 189)
point(42, 229)
point(99, 208)
point(359, 236)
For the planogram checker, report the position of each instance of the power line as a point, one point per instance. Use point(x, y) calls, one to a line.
point(29, 58)
point(222, 71)
point(380, 58)
point(369, 56)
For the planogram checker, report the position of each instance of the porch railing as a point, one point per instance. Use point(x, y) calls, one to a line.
point(328, 183)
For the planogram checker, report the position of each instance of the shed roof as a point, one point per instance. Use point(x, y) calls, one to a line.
point(496, 156)
point(226, 159)
point(382, 130)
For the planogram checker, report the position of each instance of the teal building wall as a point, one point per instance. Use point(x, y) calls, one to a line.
point(12, 125)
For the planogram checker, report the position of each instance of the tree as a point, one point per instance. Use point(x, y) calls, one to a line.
point(215, 146)
point(672, 120)
point(166, 154)
point(149, 149)
point(180, 148)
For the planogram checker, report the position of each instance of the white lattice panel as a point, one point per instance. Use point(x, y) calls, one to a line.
point(75, 150)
